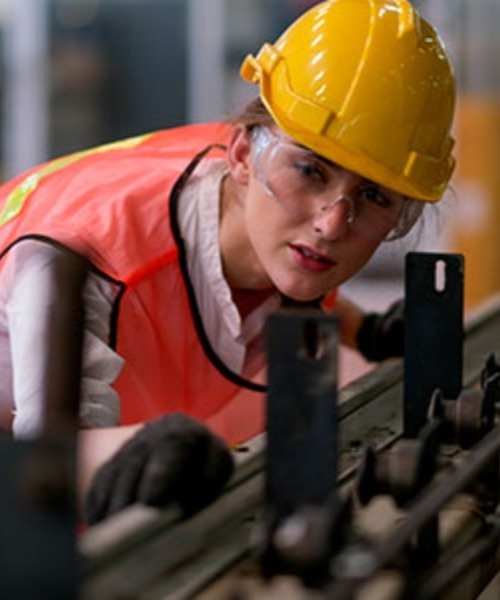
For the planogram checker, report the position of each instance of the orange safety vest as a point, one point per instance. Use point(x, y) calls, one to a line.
point(117, 205)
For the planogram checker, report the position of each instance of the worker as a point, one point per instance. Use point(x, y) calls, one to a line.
point(195, 234)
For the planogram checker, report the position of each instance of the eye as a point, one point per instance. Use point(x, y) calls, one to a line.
point(373, 195)
point(311, 170)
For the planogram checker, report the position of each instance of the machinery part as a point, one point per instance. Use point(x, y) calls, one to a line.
point(435, 585)
point(64, 352)
point(490, 368)
point(470, 416)
point(330, 83)
point(152, 554)
point(37, 504)
point(423, 511)
point(301, 470)
point(433, 333)
point(303, 543)
point(401, 471)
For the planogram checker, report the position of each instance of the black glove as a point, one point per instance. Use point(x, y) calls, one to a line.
point(173, 458)
point(381, 336)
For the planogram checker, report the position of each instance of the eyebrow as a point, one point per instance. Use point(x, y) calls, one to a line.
point(315, 155)
point(330, 163)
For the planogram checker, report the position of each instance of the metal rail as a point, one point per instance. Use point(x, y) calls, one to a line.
point(150, 554)
point(390, 547)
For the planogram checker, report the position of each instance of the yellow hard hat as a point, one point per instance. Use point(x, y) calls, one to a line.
point(367, 84)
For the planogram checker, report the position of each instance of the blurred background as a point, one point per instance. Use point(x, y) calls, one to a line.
point(76, 73)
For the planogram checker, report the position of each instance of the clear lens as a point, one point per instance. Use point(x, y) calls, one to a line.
point(306, 184)
point(410, 213)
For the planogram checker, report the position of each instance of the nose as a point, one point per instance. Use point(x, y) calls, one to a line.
point(332, 220)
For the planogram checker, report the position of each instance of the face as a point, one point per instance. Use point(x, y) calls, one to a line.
point(309, 225)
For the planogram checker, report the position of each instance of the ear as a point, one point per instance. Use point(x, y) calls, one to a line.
point(239, 154)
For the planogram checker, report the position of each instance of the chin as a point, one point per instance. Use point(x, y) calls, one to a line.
point(304, 288)
point(301, 295)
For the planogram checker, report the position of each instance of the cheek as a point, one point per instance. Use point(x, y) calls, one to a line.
point(264, 221)
point(361, 252)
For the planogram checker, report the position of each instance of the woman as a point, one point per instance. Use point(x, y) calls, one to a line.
point(195, 234)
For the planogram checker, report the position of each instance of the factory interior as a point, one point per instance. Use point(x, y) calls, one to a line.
point(407, 511)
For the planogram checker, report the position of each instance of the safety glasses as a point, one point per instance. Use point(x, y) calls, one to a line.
point(306, 185)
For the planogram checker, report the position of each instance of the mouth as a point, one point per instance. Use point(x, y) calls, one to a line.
point(311, 259)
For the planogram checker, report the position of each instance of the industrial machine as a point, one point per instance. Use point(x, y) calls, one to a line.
point(388, 489)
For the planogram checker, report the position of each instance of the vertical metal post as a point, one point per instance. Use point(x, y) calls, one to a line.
point(433, 333)
point(301, 463)
point(301, 410)
point(38, 555)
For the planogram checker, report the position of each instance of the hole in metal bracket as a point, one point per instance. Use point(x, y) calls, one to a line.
point(313, 346)
point(440, 276)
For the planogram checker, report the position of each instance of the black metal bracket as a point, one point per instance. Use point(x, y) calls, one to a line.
point(38, 553)
point(301, 466)
point(433, 333)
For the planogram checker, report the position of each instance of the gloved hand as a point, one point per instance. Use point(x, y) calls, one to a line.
point(173, 458)
point(381, 336)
